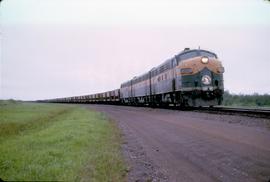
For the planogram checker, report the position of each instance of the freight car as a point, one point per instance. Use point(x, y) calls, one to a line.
point(191, 78)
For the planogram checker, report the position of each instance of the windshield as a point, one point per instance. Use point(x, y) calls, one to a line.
point(208, 54)
point(188, 55)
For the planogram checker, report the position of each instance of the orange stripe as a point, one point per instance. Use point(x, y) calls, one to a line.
point(197, 65)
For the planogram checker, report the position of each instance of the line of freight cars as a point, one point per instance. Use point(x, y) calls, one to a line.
point(191, 78)
point(112, 97)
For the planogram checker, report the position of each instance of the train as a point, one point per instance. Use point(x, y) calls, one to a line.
point(192, 78)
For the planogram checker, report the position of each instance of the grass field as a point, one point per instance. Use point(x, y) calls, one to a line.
point(52, 142)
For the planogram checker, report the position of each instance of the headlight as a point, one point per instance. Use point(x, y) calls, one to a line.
point(206, 79)
point(186, 70)
point(204, 60)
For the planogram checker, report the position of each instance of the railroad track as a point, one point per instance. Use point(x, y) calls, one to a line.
point(233, 110)
point(254, 112)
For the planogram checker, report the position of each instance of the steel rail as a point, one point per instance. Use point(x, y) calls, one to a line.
point(234, 110)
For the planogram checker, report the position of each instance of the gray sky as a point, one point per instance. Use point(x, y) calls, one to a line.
point(58, 48)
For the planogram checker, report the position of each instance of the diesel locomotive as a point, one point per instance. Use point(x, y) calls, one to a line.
point(191, 78)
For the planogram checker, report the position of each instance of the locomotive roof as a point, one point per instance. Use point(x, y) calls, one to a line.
point(192, 50)
point(166, 63)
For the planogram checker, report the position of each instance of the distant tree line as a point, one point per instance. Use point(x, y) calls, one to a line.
point(254, 100)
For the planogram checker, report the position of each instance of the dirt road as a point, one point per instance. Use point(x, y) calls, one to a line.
point(168, 145)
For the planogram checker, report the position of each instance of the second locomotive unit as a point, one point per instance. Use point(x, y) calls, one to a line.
point(190, 79)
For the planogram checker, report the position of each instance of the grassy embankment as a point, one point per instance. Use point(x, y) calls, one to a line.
point(58, 142)
point(254, 100)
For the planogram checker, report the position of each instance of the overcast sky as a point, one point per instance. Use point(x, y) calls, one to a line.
point(58, 48)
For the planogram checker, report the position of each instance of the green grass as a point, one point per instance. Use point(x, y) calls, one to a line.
point(254, 100)
point(58, 142)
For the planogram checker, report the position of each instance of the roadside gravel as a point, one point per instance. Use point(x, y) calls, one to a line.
point(171, 145)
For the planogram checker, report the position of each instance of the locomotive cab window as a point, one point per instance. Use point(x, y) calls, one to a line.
point(208, 54)
point(189, 55)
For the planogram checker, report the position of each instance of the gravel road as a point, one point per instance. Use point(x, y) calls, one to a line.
point(169, 145)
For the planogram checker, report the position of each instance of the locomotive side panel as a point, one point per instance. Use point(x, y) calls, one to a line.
point(162, 78)
point(141, 86)
point(126, 92)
